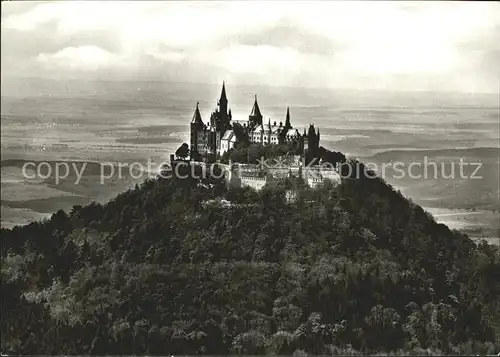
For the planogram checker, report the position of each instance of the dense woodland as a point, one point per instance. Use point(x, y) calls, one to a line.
point(194, 267)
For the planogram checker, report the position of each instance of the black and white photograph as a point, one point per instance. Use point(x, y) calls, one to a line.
point(250, 178)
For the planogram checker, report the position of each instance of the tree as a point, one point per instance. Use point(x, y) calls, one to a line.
point(183, 151)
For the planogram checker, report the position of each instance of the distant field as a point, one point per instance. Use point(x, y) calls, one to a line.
point(466, 204)
point(479, 224)
point(24, 199)
point(19, 216)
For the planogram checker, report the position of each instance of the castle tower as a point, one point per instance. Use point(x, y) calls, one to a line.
point(196, 128)
point(255, 117)
point(220, 119)
point(305, 142)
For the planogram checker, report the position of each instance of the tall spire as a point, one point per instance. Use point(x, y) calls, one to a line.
point(197, 116)
point(255, 109)
point(312, 132)
point(287, 120)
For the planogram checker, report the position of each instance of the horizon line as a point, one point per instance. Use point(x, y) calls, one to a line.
point(156, 80)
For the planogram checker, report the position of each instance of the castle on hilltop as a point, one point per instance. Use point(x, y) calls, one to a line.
point(211, 140)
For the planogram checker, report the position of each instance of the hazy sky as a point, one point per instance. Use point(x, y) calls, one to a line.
point(444, 46)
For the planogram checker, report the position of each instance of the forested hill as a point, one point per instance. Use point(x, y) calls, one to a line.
point(172, 267)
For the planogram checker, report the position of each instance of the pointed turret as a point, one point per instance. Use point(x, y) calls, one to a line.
point(255, 116)
point(255, 109)
point(197, 116)
point(287, 120)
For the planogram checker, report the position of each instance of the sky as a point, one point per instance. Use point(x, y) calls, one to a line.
point(438, 46)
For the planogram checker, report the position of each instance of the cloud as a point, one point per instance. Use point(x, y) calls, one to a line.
point(287, 34)
point(80, 58)
point(410, 46)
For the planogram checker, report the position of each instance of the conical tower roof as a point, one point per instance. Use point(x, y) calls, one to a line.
point(287, 119)
point(197, 116)
point(255, 109)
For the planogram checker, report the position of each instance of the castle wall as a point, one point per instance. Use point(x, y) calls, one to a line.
point(256, 183)
point(251, 177)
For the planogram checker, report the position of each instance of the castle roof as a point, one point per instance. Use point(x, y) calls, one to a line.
point(229, 136)
point(197, 116)
point(255, 109)
point(274, 129)
point(258, 129)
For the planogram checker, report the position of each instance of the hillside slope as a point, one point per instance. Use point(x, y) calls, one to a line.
point(166, 268)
